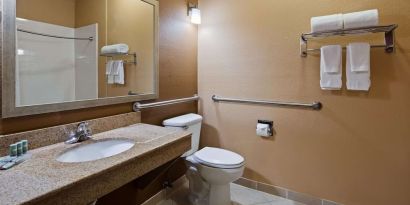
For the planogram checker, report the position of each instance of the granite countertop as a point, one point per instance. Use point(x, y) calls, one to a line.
point(43, 176)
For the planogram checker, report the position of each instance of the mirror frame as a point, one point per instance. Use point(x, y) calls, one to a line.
point(8, 71)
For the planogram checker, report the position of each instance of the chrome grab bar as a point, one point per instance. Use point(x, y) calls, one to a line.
point(314, 105)
point(138, 106)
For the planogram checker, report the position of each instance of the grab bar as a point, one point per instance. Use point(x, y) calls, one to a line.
point(138, 106)
point(314, 105)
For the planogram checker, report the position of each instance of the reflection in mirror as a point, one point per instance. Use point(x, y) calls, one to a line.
point(74, 50)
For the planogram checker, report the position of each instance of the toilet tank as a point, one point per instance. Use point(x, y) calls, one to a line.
point(189, 122)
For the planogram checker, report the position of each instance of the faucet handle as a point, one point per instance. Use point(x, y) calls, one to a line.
point(83, 130)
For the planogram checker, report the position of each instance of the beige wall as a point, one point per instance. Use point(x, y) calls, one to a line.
point(356, 150)
point(60, 12)
point(135, 28)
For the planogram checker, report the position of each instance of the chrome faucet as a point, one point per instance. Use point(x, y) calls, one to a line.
point(82, 133)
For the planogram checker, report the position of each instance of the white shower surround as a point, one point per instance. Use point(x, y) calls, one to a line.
point(52, 70)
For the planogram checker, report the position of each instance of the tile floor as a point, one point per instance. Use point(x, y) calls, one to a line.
point(240, 196)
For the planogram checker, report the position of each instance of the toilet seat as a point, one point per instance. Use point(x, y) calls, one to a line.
point(219, 158)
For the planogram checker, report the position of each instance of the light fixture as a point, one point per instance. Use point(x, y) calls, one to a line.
point(194, 13)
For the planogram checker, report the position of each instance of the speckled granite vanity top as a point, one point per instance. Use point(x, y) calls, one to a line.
point(44, 180)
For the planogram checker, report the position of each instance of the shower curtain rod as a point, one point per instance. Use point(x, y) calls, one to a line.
point(53, 36)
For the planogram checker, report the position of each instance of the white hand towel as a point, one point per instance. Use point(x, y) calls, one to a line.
point(331, 58)
point(359, 56)
point(331, 67)
point(108, 71)
point(119, 78)
point(361, 19)
point(115, 49)
point(356, 80)
point(325, 23)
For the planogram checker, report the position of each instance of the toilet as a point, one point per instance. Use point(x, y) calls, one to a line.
point(210, 170)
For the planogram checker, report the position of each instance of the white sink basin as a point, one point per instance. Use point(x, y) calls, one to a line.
point(97, 150)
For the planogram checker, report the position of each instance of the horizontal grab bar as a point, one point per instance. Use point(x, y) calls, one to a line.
point(138, 106)
point(314, 105)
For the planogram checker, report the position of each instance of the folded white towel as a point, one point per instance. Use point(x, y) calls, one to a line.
point(331, 58)
point(108, 71)
point(359, 56)
point(115, 49)
point(325, 23)
point(361, 19)
point(119, 73)
point(331, 67)
point(356, 80)
point(109, 67)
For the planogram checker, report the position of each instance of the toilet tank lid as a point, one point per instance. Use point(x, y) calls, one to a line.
point(183, 120)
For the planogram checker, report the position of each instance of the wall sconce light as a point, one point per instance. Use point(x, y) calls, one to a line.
point(194, 13)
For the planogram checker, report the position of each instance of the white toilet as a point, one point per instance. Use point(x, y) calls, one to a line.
point(210, 170)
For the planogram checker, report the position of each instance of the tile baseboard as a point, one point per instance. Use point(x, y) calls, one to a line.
point(283, 192)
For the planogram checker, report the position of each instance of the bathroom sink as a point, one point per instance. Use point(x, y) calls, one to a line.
point(96, 150)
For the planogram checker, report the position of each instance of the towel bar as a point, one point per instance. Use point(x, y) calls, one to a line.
point(112, 55)
point(54, 36)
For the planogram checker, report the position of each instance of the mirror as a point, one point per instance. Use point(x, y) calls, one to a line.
point(72, 54)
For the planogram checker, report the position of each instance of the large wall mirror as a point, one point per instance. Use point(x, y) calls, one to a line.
point(70, 54)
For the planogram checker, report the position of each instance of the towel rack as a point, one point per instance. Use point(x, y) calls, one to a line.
point(112, 55)
point(314, 105)
point(138, 106)
point(387, 30)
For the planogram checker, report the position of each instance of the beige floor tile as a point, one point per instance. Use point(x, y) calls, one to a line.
point(240, 196)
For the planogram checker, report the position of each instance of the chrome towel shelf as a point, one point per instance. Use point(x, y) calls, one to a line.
point(138, 106)
point(387, 30)
point(112, 55)
point(314, 105)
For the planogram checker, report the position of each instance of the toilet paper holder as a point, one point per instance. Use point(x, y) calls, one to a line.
point(270, 125)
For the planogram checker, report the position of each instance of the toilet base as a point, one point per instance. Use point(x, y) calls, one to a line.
point(220, 194)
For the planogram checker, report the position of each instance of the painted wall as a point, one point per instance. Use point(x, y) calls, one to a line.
point(356, 150)
point(133, 27)
point(59, 12)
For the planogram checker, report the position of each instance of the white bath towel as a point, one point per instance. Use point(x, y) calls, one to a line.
point(109, 67)
point(361, 19)
point(331, 67)
point(115, 49)
point(119, 71)
point(325, 23)
point(356, 80)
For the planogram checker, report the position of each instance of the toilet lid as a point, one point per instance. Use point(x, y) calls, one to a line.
point(219, 158)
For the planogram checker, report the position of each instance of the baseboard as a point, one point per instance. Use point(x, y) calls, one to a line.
point(284, 192)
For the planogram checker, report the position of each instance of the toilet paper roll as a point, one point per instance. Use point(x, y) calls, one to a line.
point(262, 130)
